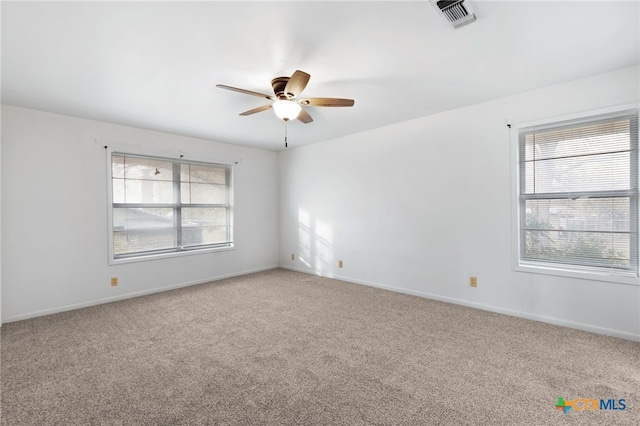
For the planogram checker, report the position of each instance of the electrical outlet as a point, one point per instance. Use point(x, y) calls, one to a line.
point(114, 281)
point(339, 263)
point(293, 256)
point(473, 281)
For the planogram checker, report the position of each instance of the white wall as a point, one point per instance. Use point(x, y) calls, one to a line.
point(420, 206)
point(54, 214)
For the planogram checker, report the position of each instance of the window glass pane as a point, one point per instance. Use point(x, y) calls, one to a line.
point(148, 191)
point(202, 225)
point(595, 214)
point(205, 215)
point(578, 140)
point(185, 193)
point(528, 147)
point(118, 190)
point(204, 235)
point(117, 166)
point(148, 169)
point(529, 178)
point(136, 229)
point(602, 172)
point(206, 193)
point(203, 174)
point(203, 184)
point(184, 172)
point(142, 180)
point(578, 248)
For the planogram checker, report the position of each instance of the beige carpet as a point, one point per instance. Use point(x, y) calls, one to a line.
point(286, 348)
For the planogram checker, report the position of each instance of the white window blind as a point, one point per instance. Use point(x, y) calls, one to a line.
point(579, 193)
point(162, 205)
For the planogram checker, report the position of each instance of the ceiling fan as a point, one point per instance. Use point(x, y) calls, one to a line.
point(285, 103)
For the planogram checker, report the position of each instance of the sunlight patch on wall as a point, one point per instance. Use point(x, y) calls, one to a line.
point(315, 243)
point(323, 240)
point(304, 237)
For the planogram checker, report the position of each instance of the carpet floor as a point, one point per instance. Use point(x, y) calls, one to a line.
point(286, 348)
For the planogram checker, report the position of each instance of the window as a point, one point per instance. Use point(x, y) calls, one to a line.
point(163, 205)
point(578, 194)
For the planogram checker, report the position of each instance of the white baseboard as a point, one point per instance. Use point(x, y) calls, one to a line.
point(101, 301)
point(526, 315)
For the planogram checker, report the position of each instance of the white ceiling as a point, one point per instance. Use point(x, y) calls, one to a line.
point(155, 65)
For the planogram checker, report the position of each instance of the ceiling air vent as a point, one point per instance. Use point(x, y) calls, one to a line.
point(456, 12)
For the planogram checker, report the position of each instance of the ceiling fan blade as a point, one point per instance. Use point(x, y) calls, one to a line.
point(328, 102)
point(246, 92)
point(297, 83)
point(259, 109)
point(304, 117)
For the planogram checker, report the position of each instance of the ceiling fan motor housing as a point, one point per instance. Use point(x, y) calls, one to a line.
point(279, 84)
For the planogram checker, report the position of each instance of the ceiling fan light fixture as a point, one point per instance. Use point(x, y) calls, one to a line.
point(286, 110)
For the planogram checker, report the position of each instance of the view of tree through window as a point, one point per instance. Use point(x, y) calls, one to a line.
point(162, 205)
point(579, 193)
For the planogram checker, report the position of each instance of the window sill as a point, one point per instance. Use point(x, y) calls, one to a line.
point(168, 255)
point(593, 275)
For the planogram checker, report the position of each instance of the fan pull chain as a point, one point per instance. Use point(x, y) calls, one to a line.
point(285, 135)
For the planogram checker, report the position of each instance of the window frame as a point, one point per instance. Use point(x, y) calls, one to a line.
point(173, 252)
point(559, 269)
